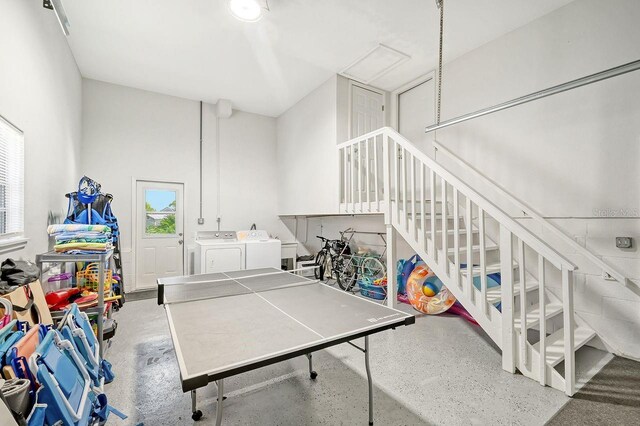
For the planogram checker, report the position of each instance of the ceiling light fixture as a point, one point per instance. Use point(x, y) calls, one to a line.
point(247, 10)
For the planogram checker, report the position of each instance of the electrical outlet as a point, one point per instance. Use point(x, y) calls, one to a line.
point(624, 242)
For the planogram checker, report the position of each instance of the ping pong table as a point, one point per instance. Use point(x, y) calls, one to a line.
point(224, 324)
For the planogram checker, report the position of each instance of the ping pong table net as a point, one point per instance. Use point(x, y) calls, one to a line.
point(217, 285)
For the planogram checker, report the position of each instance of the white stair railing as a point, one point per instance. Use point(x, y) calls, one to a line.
point(607, 270)
point(439, 216)
point(361, 187)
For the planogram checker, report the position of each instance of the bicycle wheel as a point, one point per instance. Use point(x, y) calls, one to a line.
point(346, 274)
point(321, 263)
point(372, 268)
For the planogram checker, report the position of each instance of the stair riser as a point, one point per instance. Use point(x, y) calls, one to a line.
point(532, 298)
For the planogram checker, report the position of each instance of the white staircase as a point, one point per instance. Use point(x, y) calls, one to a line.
point(450, 226)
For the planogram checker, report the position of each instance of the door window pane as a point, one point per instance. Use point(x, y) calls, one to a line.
point(160, 211)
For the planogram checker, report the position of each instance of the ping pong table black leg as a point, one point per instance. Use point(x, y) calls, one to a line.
point(366, 363)
point(312, 373)
point(195, 413)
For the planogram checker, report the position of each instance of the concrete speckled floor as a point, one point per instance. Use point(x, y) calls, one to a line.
point(442, 370)
point(612, 397)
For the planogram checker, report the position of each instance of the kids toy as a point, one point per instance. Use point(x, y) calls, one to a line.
point(417, 291)
point(429, 289)
point(376, 289)
point(404, 269)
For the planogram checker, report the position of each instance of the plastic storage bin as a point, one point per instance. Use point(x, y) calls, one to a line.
point(59, 281)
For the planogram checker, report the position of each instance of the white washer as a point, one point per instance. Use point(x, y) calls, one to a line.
point(261, 251)
point(218, 251)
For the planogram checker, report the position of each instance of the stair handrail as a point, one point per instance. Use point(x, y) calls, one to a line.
point(524, 234)
point(529, 211)
point(371, 134)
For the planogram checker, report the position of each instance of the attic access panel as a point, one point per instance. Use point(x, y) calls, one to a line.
point(376, 63)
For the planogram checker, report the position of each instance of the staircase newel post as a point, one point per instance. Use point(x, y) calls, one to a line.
point(388, 220)
point(506, 276)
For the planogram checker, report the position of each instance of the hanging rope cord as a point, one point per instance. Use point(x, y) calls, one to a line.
point(440, 4)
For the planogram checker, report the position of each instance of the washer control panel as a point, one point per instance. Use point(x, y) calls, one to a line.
point(216, 235)
point(253, 235)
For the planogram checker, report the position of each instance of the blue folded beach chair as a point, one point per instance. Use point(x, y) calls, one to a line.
point(9, 336)
point(76, 327)
point(19, 353)
point(65, 384)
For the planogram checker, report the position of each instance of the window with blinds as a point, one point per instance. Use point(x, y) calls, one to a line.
point(11, 180)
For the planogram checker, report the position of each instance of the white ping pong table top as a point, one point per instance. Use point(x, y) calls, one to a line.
point(224, 324)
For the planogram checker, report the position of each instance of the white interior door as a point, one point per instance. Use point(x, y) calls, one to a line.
point(367, 113)
point(416, 110)
point(159, 229)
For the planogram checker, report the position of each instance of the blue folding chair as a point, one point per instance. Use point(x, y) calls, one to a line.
point(9, 336)
point(76, 327)
point(19, 353)
point(65, 385)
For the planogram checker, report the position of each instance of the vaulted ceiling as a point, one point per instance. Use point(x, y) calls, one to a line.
point(195, 49)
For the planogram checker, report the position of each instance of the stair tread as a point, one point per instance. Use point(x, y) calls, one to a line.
point(494, 294)
point(555, 344)
point(533, 314)
point(475, 248)
point(462, 231)
point(428, 215)
point(492, 268)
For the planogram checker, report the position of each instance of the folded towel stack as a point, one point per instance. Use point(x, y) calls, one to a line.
point(81, 239)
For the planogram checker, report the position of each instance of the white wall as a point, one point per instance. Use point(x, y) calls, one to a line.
point(40, 92)
point(588, 138)
point(307, 157)
point(573, 156)
point(146, 135)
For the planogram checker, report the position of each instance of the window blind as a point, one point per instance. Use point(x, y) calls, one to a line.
point(11, 179)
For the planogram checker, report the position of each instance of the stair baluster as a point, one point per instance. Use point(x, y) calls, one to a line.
point(543, 324)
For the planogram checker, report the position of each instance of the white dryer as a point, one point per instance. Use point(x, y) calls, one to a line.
point(218, 251)
point(261, 250)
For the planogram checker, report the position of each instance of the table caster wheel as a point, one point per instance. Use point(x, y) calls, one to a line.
point(197, 415)
point(313, 375)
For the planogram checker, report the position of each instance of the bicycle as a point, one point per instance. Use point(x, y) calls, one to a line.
point(334, 261)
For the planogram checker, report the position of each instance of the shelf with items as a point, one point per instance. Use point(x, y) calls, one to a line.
point(103, 261)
